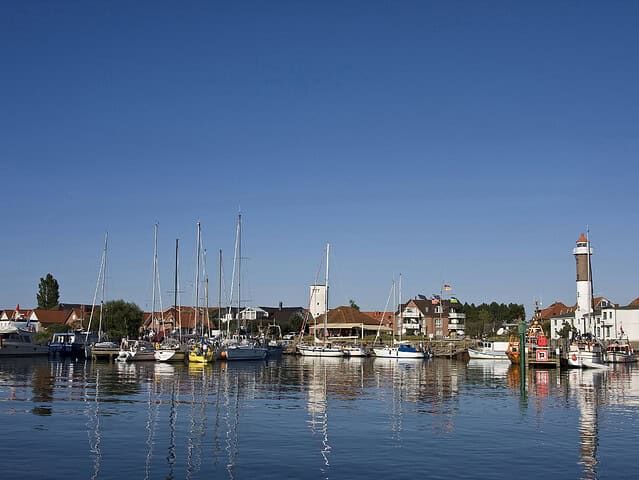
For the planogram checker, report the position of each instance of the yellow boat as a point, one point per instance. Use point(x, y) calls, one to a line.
point(201, 353)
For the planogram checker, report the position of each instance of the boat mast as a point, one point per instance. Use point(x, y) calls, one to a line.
point(328, 249)
point(155, 273)
point(219, 292)
point(104, 264)
point(206, 296)
point(239, 269)
point(175, 292)
point(399, 309)
point(197, 276)
point(100, 282)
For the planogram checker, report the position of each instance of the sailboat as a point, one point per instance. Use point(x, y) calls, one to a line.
point(102, 348)
point(171, 349)
point(200, 351)
point(403, 349)
point(321, 348)
point(241, 347)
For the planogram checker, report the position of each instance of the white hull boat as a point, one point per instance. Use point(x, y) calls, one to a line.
point(487, 350)
point(398, 352)
point(585, 355)
point(319, 351)
point(355, 351)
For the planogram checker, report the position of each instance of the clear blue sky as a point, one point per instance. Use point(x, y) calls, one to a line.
point(464, 142)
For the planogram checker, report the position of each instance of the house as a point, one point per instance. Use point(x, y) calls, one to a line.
point(433, 317)
point(607, 321)
point(47, 318)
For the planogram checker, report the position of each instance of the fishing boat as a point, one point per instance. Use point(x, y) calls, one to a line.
point(321, 347)
point(534, 336)
point(620, 351)
point(585, 352)
point(487, 350)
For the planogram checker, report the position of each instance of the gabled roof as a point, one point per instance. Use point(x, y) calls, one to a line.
point(634, 303)
point(51, 316)
point(555, 309)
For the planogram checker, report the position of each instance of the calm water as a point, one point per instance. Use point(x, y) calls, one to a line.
point(308, 418)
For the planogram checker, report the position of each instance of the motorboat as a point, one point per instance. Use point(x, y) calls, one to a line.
point(17, 340)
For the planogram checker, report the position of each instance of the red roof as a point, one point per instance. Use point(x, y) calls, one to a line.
point(51, 316)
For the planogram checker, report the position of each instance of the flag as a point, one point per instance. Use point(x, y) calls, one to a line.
point(453, 300)
point(447, 287)
point(436, 297)
point(435, 301)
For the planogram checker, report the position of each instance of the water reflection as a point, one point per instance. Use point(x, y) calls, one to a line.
point(230, 420)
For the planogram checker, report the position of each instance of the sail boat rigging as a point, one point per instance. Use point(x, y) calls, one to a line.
point(402, 349)
point(101, 347)
point(321, 348)
point(172, 349)
point(241, 347)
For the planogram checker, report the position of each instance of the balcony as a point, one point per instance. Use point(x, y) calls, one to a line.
point(457, 316)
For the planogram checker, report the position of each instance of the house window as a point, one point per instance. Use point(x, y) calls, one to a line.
point(438, 322)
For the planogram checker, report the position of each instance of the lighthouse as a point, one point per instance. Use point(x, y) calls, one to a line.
point(582, 252)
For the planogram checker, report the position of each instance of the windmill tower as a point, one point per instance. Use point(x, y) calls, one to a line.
point(582, 253)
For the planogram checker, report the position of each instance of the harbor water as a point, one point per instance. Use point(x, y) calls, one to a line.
point(316, 418)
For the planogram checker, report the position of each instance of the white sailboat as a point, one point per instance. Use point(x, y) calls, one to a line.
point(102, 347)
point(321, 348)
point(241, 347)
point(400, 349)
point(171, 349)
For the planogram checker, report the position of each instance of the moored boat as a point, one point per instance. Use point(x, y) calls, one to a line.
point(487, 350)
point(401, 351)
point(16, 340)
point(620, 352)
point(136, 351)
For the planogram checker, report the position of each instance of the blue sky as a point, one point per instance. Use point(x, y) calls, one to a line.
point(460, 142)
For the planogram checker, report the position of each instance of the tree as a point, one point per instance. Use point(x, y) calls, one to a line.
point(122, 319)
point(567, 331)
point(353, 305)
point(49, 292)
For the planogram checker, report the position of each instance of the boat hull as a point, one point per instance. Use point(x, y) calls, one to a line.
point(241, 352)
point(486, 355)
point(391, 352)
point(169, 355)
point(312, 351)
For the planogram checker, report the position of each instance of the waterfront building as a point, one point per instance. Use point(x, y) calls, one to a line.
point(318, 300)
point(597, 316)
point(347, 322)
point(434, 317)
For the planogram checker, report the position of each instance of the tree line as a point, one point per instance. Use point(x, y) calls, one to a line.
point(487, 318)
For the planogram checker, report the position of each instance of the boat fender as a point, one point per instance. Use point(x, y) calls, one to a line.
point(574, 357)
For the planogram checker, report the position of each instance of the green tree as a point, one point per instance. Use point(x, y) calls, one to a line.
point(353, 305)
point(567, 331)
point(48, 292)
point(122, 319)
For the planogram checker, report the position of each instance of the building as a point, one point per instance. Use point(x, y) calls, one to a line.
point(434, 318)
point(597, 316)
point(318, 300)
